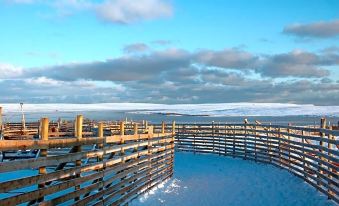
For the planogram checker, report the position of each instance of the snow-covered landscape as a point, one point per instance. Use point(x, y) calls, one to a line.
point(217, 180)
point(215, 110)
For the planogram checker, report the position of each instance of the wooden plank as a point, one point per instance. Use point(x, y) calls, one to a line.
point(6, 145)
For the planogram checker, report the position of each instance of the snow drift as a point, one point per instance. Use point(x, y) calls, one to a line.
point(222, 109)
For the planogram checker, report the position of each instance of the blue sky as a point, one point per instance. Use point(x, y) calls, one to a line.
point(67, 35)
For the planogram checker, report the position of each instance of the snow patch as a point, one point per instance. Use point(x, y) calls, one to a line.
point(218, 180)
point(222, 109)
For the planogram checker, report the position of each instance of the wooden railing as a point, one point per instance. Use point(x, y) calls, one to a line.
point(309, 153)
point(101, 170)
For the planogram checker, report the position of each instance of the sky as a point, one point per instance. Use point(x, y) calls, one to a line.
point(169, 51)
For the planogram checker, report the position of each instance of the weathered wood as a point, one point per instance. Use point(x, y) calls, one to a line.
point(43, 152)
point(78, 134)
point(321, 143)
point(292, 148)
point(1, 129)
point(289, 147)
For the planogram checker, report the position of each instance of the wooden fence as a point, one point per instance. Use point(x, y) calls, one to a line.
point(309, 153)
point(102, 170)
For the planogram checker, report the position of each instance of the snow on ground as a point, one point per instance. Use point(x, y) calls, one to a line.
point(218, 180)
point(221, 109)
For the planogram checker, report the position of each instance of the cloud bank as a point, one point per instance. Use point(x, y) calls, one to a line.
point(179, 76)
point(323, 29)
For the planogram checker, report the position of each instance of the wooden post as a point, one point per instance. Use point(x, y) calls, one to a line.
point(75, 127)
point(255, 141)
point(289, 148)
point(219, 142)
point(245, 138)
point(233, 141)
point(43, 152)
point(122, 151)
point(78, 135)
point(225, 138)
point(101, 157)
point(213, 135)
point(304, 154)
point(268, 144)
point(280, 146)
point(330, 193)
point(163, 127)
point(149, 148)
point(1, 124)
point(146, 125)
point(172, 142)
point(122, 128)
point(135, 134)
point(321, 144)
point(0, 119)
point(122, 132)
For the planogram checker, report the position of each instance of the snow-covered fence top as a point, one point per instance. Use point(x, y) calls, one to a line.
point(110, 168)
point(310, 153)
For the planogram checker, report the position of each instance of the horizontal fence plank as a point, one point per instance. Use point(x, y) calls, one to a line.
point(307, 152)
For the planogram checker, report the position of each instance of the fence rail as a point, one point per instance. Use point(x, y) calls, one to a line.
point(109, 163)
point(102, 170)
point(309, 153)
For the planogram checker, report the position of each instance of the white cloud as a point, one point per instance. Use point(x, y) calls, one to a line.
point(9, 71)
point(112, 11)
point(43, 81)
point(129, 11)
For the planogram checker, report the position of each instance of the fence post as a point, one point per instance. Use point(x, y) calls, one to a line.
point(219, 143)
point(255, 141)
point(162, 127)
point(149, 148)
point(0, 121)
point(194, 135)
point(245, 139)
point(225, 138)
point(43, 152)
point(233, 140)
point(329, 146)
point(304, 156)
point(146, 125)
point(289, 147)
point(321, 144)
point(79, 121)
point(268, 140)
point(135, 134)
point(213, 135)
point(101, 157)
point(280, 146)
point(122, 133)
point(173, 144)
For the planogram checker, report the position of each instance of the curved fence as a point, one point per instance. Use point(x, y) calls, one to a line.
point(110, 168)
point(310, 153)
